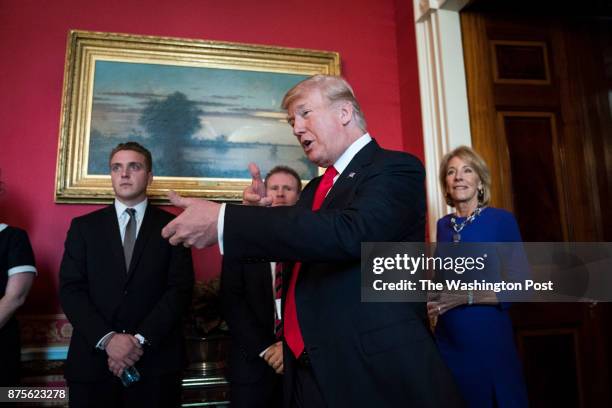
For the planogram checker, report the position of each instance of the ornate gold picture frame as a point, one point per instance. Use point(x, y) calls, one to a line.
point(204, 109)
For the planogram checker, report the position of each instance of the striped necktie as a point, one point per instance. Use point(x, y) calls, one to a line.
point(278, 292)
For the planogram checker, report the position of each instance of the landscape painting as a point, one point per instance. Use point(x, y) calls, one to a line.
point(205, 109)
point(197, 122)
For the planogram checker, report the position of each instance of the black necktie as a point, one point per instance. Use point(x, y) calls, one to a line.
point(130, 237)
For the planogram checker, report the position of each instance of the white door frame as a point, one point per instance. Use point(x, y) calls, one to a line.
point(444, 103)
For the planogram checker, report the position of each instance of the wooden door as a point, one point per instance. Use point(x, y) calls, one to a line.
point(538, 90)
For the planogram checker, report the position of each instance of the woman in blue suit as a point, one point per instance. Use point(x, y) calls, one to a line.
point(473, 329)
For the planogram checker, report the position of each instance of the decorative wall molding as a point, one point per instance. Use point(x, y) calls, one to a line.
point(444, 103)
point(44, 340)
point(49, 353)
point(44, 330)
point(423, 7)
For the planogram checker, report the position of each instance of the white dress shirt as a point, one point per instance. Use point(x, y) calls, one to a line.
point(123, 218)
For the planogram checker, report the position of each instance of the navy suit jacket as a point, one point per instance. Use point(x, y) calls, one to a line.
point(99, 295)
point(362, 354)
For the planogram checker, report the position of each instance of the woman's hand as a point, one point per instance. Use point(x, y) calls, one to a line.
point(440, 303)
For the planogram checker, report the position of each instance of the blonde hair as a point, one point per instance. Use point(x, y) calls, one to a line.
point(468, 155)
point(334, 88)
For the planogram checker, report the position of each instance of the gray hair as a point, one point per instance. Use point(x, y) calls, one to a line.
point(334, 88)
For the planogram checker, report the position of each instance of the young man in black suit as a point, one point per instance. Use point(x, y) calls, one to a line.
point(250, 310)
point(125, 289)
point(340, 352)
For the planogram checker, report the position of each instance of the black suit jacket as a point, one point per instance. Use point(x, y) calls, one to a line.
point(98, 295)
point(362, 354)
point(248, 309)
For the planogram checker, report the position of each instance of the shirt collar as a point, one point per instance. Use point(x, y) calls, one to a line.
point(346, 157)
point(3, 226)
point(140, 208)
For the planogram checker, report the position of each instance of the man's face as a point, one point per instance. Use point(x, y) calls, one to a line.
point(282, 188)
point(130, 176)
point(318, 126)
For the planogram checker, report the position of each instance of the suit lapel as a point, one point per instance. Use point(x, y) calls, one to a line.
point(113, 236)
point(307, 195)
point(351, 174)
point(267, 282)
point(305, 201)
point(346, 181)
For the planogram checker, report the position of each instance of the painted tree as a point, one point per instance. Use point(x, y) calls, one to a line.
point(172, 121)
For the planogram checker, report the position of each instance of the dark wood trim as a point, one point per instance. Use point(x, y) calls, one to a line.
point(496, 77)
point(483, 121)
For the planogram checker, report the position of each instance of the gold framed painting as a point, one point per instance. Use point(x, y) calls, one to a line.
point(205, 109)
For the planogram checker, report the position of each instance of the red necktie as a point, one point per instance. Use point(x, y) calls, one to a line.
point(293, 334)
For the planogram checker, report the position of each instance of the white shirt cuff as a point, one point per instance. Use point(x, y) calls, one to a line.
point(21, 269)
point(100, 345)
point(220, 225)
point(263, 353)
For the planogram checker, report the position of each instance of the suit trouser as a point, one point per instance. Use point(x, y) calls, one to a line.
point(306, 391)
point(267, 392)
point(163, 391)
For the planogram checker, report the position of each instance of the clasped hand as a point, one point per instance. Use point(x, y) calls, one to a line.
point(442, 302)
point(123, 351)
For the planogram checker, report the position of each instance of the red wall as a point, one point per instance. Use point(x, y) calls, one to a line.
point(378, 58)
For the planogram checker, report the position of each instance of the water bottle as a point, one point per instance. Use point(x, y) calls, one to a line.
point(129, 376)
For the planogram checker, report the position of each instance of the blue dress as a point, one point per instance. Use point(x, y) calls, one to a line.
point(476, 341)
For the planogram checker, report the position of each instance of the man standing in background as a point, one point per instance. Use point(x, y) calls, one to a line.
point(250, 294)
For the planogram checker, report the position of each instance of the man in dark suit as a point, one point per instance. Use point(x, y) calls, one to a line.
point(251, 310)
point(340, 352)
point(124, 289)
